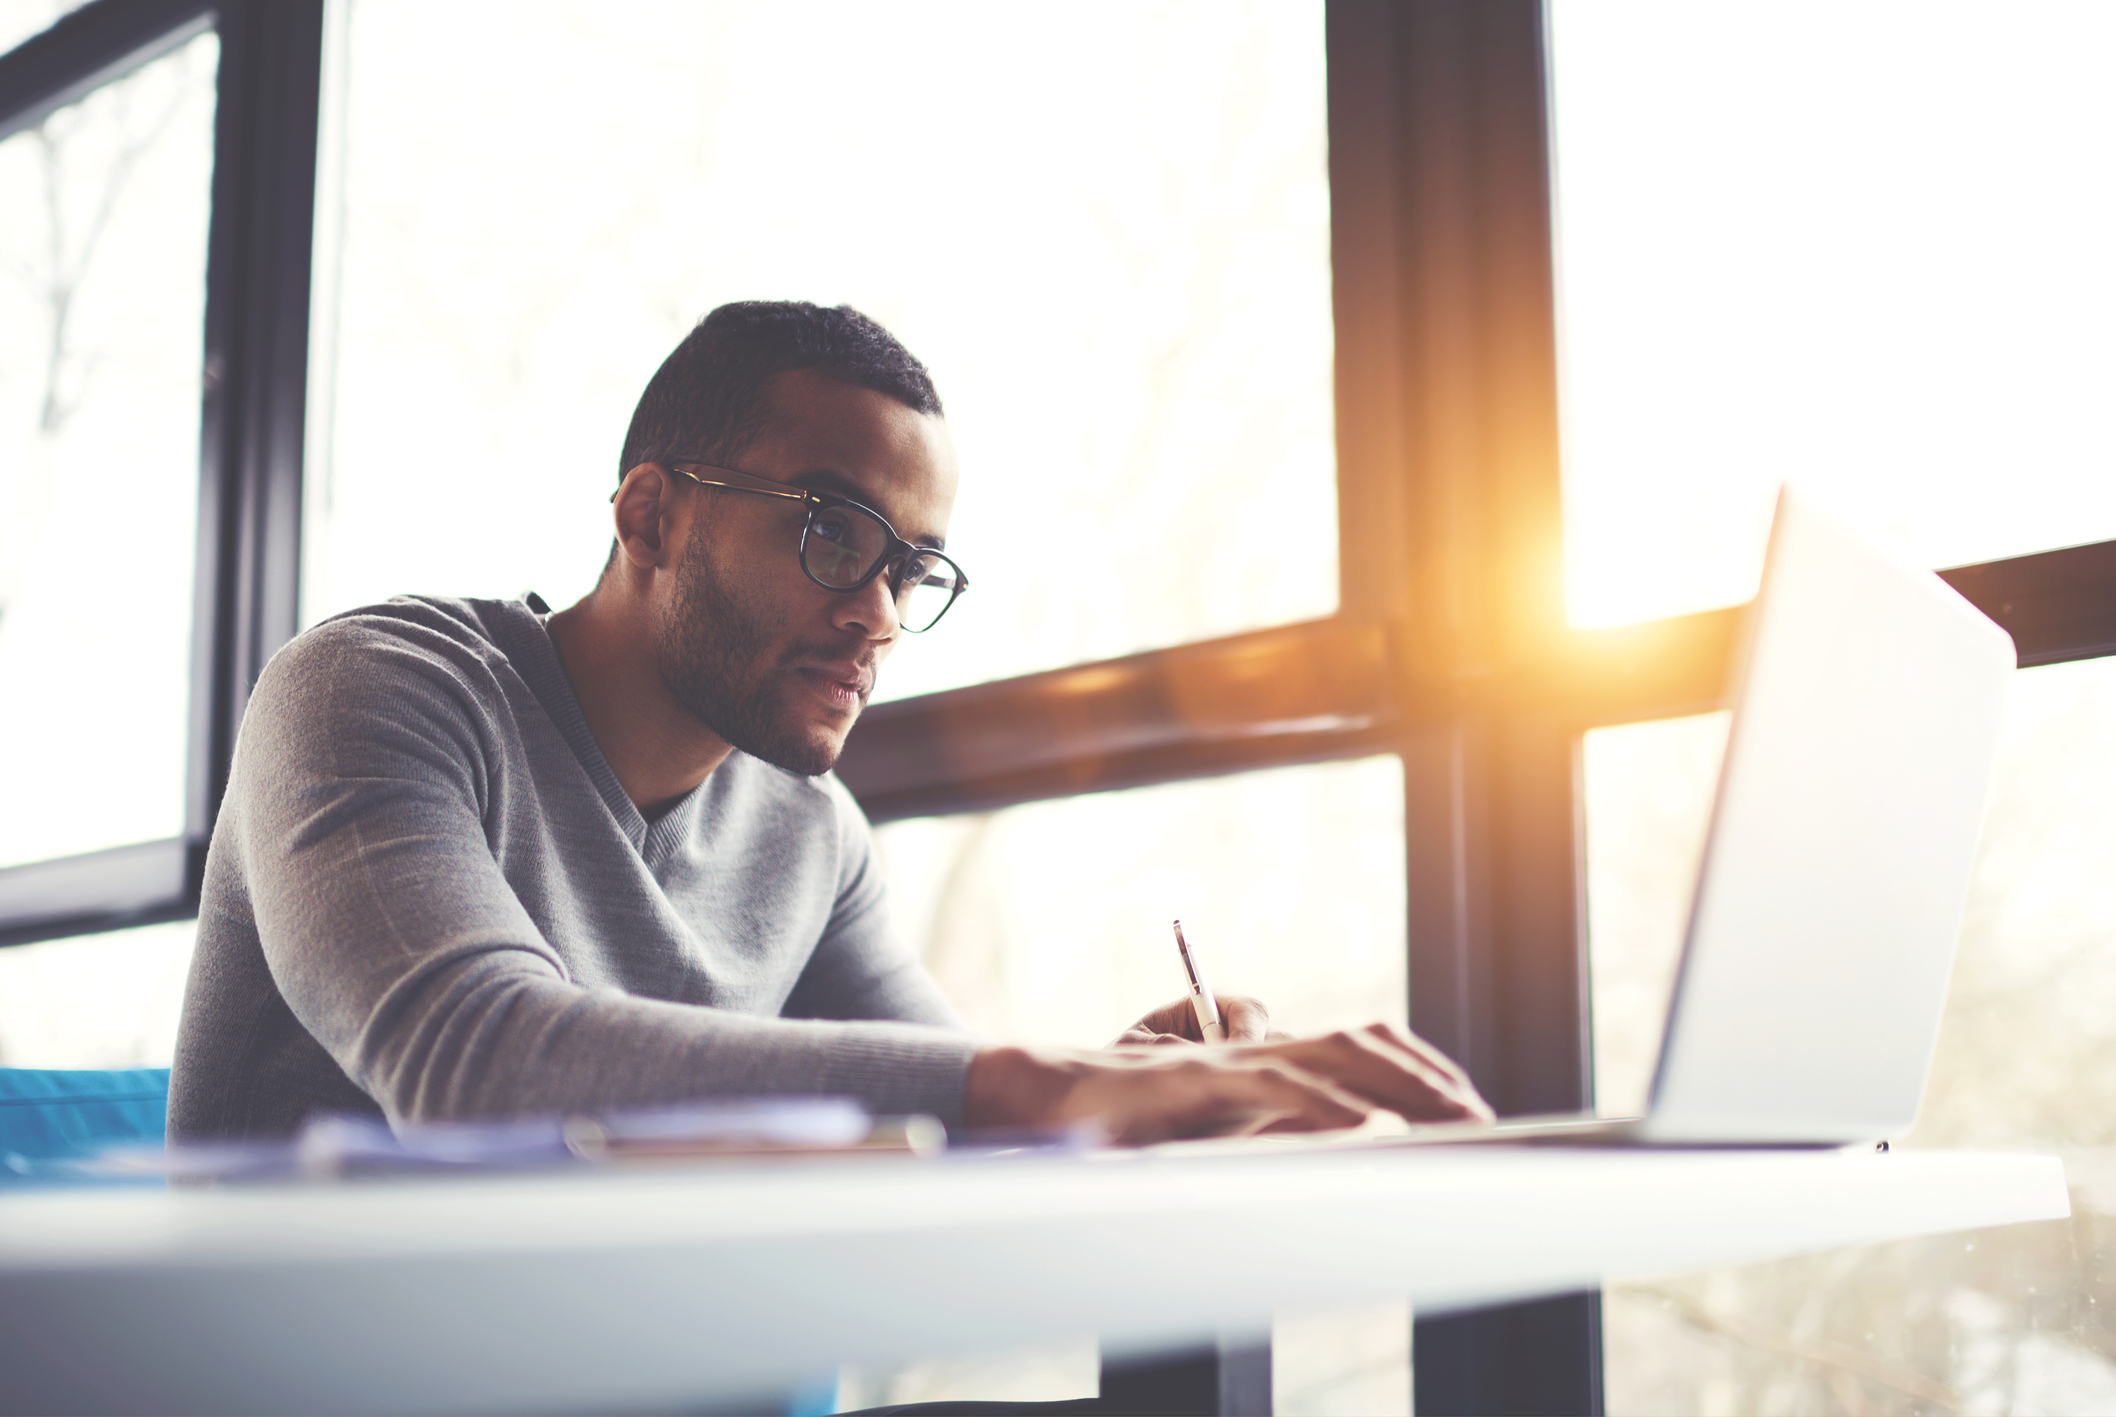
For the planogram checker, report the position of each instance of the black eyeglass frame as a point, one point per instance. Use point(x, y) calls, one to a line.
point(897, 549)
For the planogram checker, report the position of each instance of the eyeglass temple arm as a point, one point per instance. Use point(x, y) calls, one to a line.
point(791, 494)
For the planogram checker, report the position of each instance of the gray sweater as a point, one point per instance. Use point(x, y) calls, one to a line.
point(428, 896)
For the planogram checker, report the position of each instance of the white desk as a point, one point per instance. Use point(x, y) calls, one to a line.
point(620, 1291)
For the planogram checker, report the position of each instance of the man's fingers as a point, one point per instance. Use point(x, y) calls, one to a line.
point(1377, 1068)
point(1428, 1060)
point(1304, 1101)
point(1424, 1051)
point(1139, 1035)
point(1246, 1020)
point(1178, 1018)
point(1154, 1088)
point(1202, 1093)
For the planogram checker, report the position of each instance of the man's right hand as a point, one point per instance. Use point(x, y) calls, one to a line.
point(1145, 1095)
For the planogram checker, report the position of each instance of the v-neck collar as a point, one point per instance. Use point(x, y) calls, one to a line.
point(534, 655)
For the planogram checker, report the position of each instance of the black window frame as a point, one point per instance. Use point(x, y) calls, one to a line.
point(253, 387)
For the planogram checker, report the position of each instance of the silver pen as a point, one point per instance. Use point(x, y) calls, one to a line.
point(1202, 1001)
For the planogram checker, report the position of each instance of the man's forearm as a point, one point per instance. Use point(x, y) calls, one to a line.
point(495, 1041)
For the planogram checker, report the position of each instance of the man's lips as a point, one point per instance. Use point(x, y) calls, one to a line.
point(845, 686)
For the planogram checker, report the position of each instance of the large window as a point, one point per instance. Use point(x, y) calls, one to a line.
point(94, 1001)
point(1857, 246)
point(1107, 233)
point(1862, 245)
point(1041, 920)
point(156, 165)
point(102, 319)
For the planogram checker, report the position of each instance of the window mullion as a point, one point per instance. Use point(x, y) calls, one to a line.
point(255, 387)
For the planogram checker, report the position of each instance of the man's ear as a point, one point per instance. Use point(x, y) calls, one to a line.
point(643, 512)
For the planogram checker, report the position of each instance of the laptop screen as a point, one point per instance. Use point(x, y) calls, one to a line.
point(1868, 697)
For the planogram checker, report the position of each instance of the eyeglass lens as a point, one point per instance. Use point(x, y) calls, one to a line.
point(845, 543)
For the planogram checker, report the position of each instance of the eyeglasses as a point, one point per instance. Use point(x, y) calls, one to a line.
point(844, 546)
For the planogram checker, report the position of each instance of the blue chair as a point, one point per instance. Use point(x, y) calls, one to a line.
point(50, 1116)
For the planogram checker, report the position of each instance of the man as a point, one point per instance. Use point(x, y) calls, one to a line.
point(478, 860)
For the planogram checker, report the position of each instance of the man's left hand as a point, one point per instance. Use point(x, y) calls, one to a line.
point(1246, 1021)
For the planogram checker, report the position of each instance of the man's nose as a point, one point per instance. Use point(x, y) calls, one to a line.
point(871, 610)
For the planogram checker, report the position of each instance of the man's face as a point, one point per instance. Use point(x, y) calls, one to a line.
point(773, 663)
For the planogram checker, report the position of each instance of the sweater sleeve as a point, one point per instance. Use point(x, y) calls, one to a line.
point(357, 809)
point(860, 969)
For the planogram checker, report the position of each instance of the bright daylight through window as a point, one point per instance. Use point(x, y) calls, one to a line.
point(1865, 247)
point(19, 19)
point(102, 290)
point(1114, 259)
point(1294, 876)
point(1861, 245)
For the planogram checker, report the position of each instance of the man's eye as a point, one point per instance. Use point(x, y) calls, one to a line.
point(832, 527)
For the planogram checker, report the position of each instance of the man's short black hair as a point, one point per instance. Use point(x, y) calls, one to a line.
point(706, 401)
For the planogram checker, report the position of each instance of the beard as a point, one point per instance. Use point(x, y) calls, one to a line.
point(715, 657)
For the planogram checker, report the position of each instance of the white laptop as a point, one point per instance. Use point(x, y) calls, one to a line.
point(1868, 697)
point(1822, 931)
